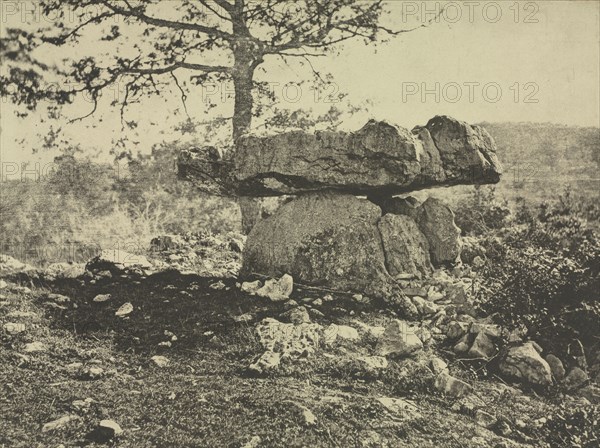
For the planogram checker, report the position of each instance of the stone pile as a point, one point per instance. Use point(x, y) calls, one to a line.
point(345, 229)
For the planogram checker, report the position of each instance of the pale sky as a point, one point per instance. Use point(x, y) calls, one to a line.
point(483, 61)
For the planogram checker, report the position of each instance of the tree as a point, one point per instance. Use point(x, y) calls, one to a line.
point(212, 40)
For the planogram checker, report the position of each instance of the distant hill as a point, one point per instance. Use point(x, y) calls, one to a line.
point(541, 159)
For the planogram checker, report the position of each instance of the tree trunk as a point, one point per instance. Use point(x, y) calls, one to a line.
point(243, 73)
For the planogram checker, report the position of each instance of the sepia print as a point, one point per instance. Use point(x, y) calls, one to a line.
point(299, 223)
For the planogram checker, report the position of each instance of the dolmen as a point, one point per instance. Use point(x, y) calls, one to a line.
point(345, 229)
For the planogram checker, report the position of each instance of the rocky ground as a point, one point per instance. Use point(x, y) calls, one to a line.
point(165, 357)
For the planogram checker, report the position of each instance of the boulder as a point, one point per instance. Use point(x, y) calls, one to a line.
point(556, 366)
point(321, 239)
point(380, 159)
point(436, 221)
point(525, 363)
point(405, 248)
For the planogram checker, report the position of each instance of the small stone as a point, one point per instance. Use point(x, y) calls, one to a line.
point(462, 346)
point(102, 298)
point(218, 285)
point(251, 287)
point(58, 298)
point(309, 417)
point(94, 372)
point(254, 442)
point(109, 429)
point(82, 404)
point(398, 339)
point(290, 303)
point(484, 419)
point(454, 387)
point(34, 347)
point(246, 317)
point(14, 328)
point(434, 295)
point(456, 329)
point(3, 284)
point(318, 302)
point(482, 347)
point(277, 290)
point(59, 423)
point(165, 344)
point(124, 310)
point(411, 292)
point(374, 362)
point(438, 365)
point(347, 333)
point(576, 378)
point(556, 366)
point(267, 361)
point(298, 315)
point(424, 307)
point(160, 361)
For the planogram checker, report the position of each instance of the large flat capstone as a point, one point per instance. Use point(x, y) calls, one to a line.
point(380, 160)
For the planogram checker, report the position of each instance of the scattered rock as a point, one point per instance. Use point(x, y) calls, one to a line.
point(298, 315)
point(102, 298)
point(347, 333)
point(482, 347)
point(93, 373)
point(218, 286)
point(108, 430)
point(424, 307)
point(374, 362)
point(401, 408)
point(277, 290)
point(124, 309)
point(576, 378)
point(34, 347)
point(399, 339)
point(438, 365)
point(449, 385)
point(251, 287)
point(484, 419)
point(13, 328)
point(289, 340)
point(160, 361)
point(246, 317)
point(3, 284)
point(59, 423)
point(267, 361)
point(556, 366)
point(254, 442)
point(526, 364)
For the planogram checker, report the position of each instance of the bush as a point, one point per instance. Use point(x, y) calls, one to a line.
point(481, 211)
point(545, 276)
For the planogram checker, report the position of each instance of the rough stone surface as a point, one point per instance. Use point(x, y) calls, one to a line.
point(379, 159)
point(406, 249)
point(289, 340)
point(436, 221)
point(556, 366)
point(449, 385)
point(321, 239)
point(525, 363)
point(398, 340)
